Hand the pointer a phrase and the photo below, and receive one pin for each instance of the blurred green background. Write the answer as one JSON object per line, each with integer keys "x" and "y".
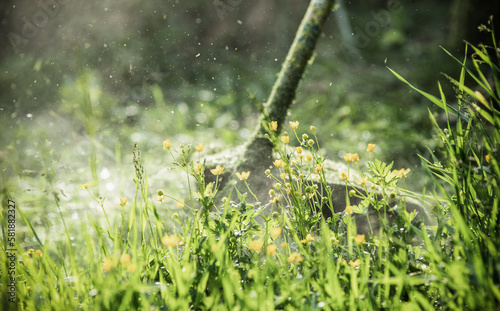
{"x": 81, "y": 81}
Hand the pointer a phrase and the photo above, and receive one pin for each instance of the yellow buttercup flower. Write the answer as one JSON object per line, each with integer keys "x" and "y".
{"x": 170, "y": 240}
{"x": 256, "y": 245}
{"x": 359, "y": 239}
{"x": 348, "y": 209}
{"x": 402, "y": 173}
{"x": 285, "y": 139}
{"x": 199, "y": 147}
{"x": 107, "y": 264}
{"x": 85, "y": 185}
{"x": 125, "y": 259}
{"x": 284, "y": 245}
{"x": 294, "y": 125}
{"x": 271, "y": 249}
{"x": 351, "y": 157}
{"x": 309, "y": 157}
{"x": 132, "y": 268}
{"x": 273, "y": 126}
{"x": 283, "y": 175}
{"x": 179, "y": 203}
{"x": 344, "y": 176}
{"x": 295, "y": 257}
{"x": 308, "y": 239}
{"x": 362, "y": 182}
{"x": 197, "y": 168}
{"x": 312, "y": 128}
{"x": 275, "y": 200}
{"x": 487, "y": 158}
{"x": 279, "y": 163}
{"x": 217, "y": 170}
{"x": 243, "y": 175}
{"x": 275, "y": 232}
{"x": 123, "y": 201}
{"x": 299, "y": 150}
{"x": 355, "y": 263}
{"x": 160, "y": 198}
{"x": 370, "y": 147}
{"x": 167, "y": 144}
{"x": 319, "y": 168}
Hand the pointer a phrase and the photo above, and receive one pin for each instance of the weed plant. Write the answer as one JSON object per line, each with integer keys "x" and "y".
{"x": 217, "y": 253}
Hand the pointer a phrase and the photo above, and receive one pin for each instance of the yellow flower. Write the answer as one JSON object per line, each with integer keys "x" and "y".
{"x": 85, "y": 186}
{"x": 38, "y": 253}
{"x": 107, "y": 264}
{"x": 284, "y": 245}
{"x": 199, "y": 147}
{"x": 351, "y": 157}
{"x": 279, "y": 163}
{"x": 273, "y": 126}
{"x": 276, "y": 199}
{"x": 348, "y": 209}
{"x": 359, "y": 239}
{"x": 344, "y": 176}
{"x": 275, "y": 232}
{"x": 285, "y": 139}
{"x": 197, "y": 168}
{"x": 319, "y": 168}
{"x": 402, "y": 172}
{"x": 362, "y": 182}
{"x": 167, "y": 144}
{"x": 123, "y": 201}
{"x": 160, "y": 198}
{"x": 308, "y": 239}
{"x": 370, "y": 147}
{"x": 256, "y": 245}
{"x": 309, "y": 157}
{"x": 487, "y": 158}
{"x": 179, "y": 203}
{"x": 132, "y": 268}
{"x": 243, "y": 175}
{"x": 299, "y": 150}
{"x": 344, "y": 262}
{"x": 271, "y": 249}
{"x": 312, "y": 128}
{"x": 217, "y": 170}
{"x": 294, "y": 125}
{"x": 170, "y": 240}
{"x": 125, "y": 259}
{"x": 283, "y": 175}
{"x": 295, "y": 257}
{"x": 355, "y": 263}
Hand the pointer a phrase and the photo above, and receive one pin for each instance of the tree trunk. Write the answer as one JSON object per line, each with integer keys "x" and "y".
{"x": 257, "y": 154}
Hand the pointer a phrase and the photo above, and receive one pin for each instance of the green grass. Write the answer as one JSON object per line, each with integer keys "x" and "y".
{"x": 152, "y": 250}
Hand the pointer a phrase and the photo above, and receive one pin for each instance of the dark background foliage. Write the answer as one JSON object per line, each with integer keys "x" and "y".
{"x": 169, "y": 68}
